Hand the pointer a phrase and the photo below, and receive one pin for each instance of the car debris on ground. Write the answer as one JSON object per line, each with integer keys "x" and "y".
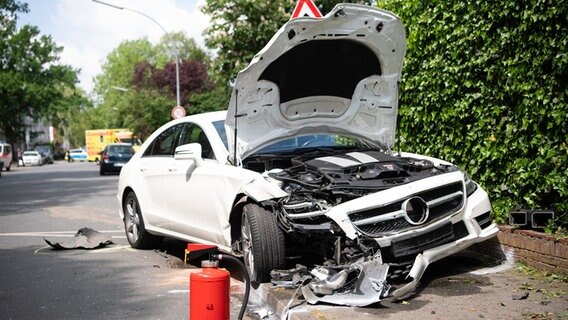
{"x": 85, "y": 238}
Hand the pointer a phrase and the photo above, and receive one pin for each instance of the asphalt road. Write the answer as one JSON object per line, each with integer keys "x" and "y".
{"x": 36, "y": 282}
{"x": 117, "y": 282}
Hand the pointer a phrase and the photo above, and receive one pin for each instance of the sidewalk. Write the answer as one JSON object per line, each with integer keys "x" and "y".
{"x": 462, "y": 287}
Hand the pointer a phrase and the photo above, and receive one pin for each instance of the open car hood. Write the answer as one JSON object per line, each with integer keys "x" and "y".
{"x": 338, "y": 74}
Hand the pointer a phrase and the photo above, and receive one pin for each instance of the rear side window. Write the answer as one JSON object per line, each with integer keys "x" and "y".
{"x": 165, "y": 143}
{"x": 192, "y": 133}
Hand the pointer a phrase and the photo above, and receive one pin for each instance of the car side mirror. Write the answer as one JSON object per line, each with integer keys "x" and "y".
{"x": 190, "y": 151}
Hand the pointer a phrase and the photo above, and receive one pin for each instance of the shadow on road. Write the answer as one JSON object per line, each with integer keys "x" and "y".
{"x": 29, "y": 189}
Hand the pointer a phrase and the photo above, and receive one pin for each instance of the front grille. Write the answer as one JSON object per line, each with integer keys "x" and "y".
{"x": 484, "y": 220}
{"x": 443, "y": 202}
{"x": 418, "y": 243}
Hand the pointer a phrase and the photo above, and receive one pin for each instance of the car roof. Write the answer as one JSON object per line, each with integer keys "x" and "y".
{"x": 205, "y": 117}
{"x": 199, "y": 119}
{"x": 119, "y": 144}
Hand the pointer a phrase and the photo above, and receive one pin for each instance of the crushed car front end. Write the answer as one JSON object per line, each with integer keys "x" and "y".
{"x": 315, "y": 112}
{"x": 362, "y": 212}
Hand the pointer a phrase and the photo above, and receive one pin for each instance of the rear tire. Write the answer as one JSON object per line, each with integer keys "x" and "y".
{"x": 136, "y": 232}
{"x": 263, "y": 243}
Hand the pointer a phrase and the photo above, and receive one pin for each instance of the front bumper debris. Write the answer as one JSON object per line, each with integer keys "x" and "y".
{"x": 368, "y": 287}
{"x": 363, "y": 282}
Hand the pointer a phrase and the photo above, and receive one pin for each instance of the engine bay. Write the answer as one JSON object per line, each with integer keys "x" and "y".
{"x": 342, "y": 176}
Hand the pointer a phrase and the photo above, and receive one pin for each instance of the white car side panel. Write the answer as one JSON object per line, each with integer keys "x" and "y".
{"x": 208, "y": 192}
{"x": 150, "y": 174}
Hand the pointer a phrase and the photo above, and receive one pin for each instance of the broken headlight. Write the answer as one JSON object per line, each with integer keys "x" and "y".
{"x": 470, "y": 185}
{"x": 300, "y": 215}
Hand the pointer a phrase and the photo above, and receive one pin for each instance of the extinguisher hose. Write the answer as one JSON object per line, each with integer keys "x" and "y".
{"x": 245, "y": 276}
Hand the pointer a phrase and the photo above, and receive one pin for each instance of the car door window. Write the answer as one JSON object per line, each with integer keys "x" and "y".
{"x": 165, "y": 143}
{"x": 193, "y": 133}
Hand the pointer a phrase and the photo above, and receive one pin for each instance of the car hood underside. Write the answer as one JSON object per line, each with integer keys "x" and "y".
{"x": 338, "y": 74}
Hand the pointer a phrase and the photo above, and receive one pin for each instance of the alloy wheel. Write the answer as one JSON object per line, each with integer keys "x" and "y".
{"x": 246, "y": 239}
{"x": 132, "y": 220}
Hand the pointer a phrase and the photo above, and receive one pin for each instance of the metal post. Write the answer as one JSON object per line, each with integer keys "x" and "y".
{"x": 172, "y": 43}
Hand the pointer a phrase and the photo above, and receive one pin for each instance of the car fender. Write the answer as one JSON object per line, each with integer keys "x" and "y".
{"x": 259, "y": 189}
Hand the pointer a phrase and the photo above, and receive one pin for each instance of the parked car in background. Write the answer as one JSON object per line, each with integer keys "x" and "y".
{"x": 33, "y": 158}
{"x": 114, "y": 156}
{"x": 6, "y": 155}
{"x": 46, "y": 152}
{"x": 77, "y": 155}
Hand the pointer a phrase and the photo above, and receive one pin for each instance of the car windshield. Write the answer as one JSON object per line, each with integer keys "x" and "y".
{"x": 127, "y": 150}
{"x": 30, "y": 153}
{"x": 329, "y": 141}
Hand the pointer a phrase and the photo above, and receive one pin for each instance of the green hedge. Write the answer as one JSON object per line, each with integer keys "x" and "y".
{"x": 484, "y": 86}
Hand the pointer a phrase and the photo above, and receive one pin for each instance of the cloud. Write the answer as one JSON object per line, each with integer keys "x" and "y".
{"x": 89, "y": 31}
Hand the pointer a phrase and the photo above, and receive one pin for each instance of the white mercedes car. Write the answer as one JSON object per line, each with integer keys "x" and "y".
{"x": 301, "y": 169}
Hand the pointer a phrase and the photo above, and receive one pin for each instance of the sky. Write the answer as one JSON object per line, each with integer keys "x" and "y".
{"x": 89, "y": 31}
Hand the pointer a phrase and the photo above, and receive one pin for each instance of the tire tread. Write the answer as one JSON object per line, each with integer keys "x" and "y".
{"x": 268, "y": 241}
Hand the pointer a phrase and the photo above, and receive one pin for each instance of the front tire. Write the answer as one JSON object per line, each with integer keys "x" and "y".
{"x": 136, "y": 232}
{"x": 263, "y": 243}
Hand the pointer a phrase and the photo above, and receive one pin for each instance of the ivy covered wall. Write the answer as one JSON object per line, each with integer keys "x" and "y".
{"x": 484, "y": 86}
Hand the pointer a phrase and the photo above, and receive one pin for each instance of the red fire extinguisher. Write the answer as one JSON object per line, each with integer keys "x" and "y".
{"x": 209, "y": 292}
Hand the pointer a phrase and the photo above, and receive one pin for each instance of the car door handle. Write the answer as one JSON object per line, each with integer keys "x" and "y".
{"x": 143, "y": 169}
{"x": 172, "y": 169}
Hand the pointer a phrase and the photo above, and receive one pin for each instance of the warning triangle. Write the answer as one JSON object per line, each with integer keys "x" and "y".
{"x": 306, "y": 8}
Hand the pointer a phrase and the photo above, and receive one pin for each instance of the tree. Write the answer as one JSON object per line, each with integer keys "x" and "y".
{"x": 487, "y": 81}
{"x": 137, "y": 86}
{"x": 241, "y": 28}
{"x": 113, "y": 85}
{"x": 193, "y": 78}
{"x": 187, "y": 47}
{"x": 32, "y": 82}
{"x": 70, "y": 117}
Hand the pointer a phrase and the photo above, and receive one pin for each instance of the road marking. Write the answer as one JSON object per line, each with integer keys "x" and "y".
{"x": 179, "y": 291}
{"x": 65, "y": 234}
{"x": 100, "y": 250}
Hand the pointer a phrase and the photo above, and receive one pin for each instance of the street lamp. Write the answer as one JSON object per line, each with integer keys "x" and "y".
{"x": 166, "y": 32}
